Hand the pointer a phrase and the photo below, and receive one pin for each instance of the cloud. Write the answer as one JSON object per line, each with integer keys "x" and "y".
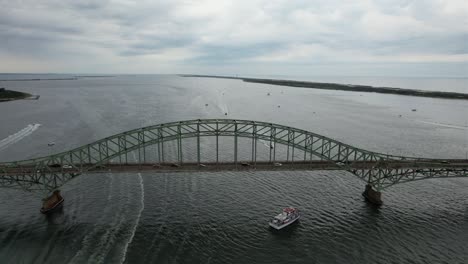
{"x": 106, "y": 35}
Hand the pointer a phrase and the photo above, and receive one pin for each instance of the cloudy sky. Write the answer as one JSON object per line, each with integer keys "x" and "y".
{"x": 303, "y": 37}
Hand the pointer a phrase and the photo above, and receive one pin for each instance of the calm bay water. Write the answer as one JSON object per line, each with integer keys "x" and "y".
{"x": 222, "y": 217}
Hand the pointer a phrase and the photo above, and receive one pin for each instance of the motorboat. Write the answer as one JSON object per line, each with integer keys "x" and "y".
{"x": 287, "y": 217}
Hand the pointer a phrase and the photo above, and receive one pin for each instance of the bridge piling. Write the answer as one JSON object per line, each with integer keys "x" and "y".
{"x": 51, "y": 202}
{"x": 372, "y": 196}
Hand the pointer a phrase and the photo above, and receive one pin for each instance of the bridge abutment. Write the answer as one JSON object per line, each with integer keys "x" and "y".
{"x": 54, "y": 201}
{"x": 372, "y": 196}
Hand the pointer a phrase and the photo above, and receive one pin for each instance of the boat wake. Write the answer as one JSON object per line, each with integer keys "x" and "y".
{"x": 137, "y": 222}
{"x": 267, "y": 144}
{"x": 12, "y": 139}
{"x": 441, "y": 124}
{"x": 90, "y": 237}
{"x": 221, "y": 103}
{"x": 108, "y": 241}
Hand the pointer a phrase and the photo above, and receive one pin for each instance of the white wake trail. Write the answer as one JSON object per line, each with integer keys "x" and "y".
{"x": 221, "y": 103}
{"x": 88, "y": 239}
{"x": 12, "y": 139}
{"x": 267, "y": 144}
{"x": 440, "y": 124}
{"x": 137, "y": 222}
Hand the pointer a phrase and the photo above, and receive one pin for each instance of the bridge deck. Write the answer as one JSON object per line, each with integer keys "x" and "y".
{"x": 248, "y": 166}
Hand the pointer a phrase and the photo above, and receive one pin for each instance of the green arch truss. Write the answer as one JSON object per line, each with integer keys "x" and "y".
{"x": 377, "y": 169}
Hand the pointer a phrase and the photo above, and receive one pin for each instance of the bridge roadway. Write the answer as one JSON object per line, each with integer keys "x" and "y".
{"x": 456, "y": 164}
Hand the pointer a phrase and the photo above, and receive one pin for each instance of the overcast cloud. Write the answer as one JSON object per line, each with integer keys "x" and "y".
{"x": 381, "y": 37}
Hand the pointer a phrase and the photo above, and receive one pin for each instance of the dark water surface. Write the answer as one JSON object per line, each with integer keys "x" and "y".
{"x": 222, "y": 217}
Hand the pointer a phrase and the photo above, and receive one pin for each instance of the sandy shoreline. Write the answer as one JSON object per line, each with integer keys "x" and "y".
{"x": 345, "y": 87}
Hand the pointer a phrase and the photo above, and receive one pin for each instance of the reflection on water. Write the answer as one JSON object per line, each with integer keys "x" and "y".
{"x": 56, "y": 217}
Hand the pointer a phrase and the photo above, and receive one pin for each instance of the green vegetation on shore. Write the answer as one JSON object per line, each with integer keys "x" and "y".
{"x": 8, "y": 95}
{"x": 347, "y": 87}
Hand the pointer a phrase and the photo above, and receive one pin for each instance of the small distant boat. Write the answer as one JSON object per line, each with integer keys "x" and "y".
{"x": 287, "y": 217}
{"x": 51, "y": 144}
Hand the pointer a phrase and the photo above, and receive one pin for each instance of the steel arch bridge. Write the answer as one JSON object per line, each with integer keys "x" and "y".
{"x": 315, "y": 151}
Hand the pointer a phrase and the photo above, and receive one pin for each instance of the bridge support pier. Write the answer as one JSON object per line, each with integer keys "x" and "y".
{"x": 372, "y": 196}
{"x": 51, "y": 203}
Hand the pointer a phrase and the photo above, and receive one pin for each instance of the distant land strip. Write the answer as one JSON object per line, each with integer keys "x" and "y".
{"x": 9, "y": 95}
{"x": 40, "y": 79}
{"x": 344, "y": 87}
{"x": 94, "y": 76}
{"x": 57, "y": 79}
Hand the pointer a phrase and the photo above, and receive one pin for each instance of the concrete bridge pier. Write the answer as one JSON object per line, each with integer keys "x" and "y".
{"x": 372, "y": 196}
{"x": 52, "y": 202}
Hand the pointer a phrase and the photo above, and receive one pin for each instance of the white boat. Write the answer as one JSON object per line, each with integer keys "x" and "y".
{"x": 287, "y": 217}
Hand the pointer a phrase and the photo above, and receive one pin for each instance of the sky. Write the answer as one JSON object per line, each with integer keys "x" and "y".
{"x": 252, "y": 37}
